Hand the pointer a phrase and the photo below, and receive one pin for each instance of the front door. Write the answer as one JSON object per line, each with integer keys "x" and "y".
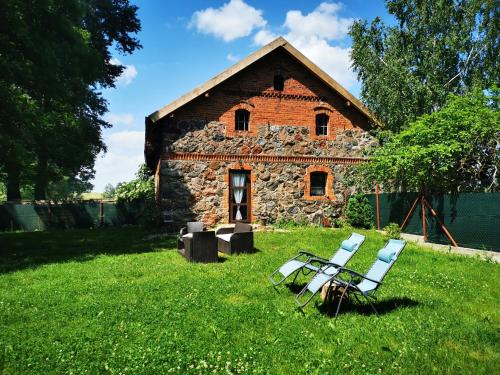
{"x": 239, "y": 196}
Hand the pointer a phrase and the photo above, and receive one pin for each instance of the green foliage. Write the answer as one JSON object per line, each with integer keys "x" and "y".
{"x": 392, "y": 230}
{"x": 141, "y": 188}
{"x": 56, "y": 56}
{"x": 141, "y": 193}
{"x": 109, "y": 192}
{"x": 3, "y": 193}
{"x": 454, "y": 149}
{"x": 341, "y": 222}
{"x": 433, "y": 48}
{"x": 288, "y": 223}
{"x": 359, "y": 212}
{"x": 120, "y": 295}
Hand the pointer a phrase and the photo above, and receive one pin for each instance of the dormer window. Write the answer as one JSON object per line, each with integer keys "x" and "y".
{"x": 279, "y": 82}
{"x": 322, "y": 124}
{"x": 242, "y": 120}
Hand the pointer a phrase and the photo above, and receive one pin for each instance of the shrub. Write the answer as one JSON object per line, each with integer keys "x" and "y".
{"x": 139, "y": 194}
{"x": 359, "y": 212}
{"x": 341, "y": 222}
{"x": 393, "y": 231}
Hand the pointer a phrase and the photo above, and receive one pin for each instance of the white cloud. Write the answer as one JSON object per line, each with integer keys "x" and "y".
{"x": 118, "y": 119}
{"x": 323, "y": 23}
{"x": 121, "y": 162}
{"x": 263, "y": 37}
{"x": 128, "y": 74}
{"x": 232, "y": 20}
{"x": 232, "y": 58}
{"x": 313, "y": 34}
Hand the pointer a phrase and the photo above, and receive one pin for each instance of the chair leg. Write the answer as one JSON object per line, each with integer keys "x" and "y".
{"x": 340, "y": 301}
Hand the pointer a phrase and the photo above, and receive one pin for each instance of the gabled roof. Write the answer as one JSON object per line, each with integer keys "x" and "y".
{"x": 239, "y": 66}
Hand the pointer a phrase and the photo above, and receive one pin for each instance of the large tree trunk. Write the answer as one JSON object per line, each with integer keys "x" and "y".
{"x": 41, "y": 178}
{"x": 13, "y": 185}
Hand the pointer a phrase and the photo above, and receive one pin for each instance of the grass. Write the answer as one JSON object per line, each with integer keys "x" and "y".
{"x": 121, "y": 301}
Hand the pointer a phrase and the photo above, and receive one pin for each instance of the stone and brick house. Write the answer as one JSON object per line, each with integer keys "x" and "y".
{"x": 270, "y": 137}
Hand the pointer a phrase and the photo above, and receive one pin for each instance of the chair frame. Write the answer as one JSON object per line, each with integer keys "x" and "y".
{"x": 308, "y": 264}
{"x": 240, "y": 242}
{"x": 350, "y": 288}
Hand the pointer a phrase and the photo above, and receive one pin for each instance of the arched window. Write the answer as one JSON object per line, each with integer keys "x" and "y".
{"x": 279, "y": 82}
{"x": 322, "y": 124}
{"x": 318, "y": 184}
{"x": 241, "y": 120}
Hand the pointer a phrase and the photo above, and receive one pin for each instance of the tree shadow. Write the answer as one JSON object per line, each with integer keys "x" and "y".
{"x": 385, "y": 306}
{"x": 33, "y": 249}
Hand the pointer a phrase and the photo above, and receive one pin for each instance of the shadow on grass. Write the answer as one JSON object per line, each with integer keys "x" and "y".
{"x": 383, "y": 307}
{"x": 32, "y": 249}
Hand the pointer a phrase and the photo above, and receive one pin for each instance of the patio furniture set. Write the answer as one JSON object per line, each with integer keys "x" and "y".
{"x": 197, "y": 244}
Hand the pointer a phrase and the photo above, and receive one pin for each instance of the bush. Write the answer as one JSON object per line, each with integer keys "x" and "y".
{"x": 140, "y": 193}
{"x": 341, "y": 222}
{"x": 359, "y": 212}
{"x": 393, "y": 231}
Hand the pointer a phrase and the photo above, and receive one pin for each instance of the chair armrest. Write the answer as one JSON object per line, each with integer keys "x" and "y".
{"x": 224, "y": 230}
{"x": 357, "y": 274}
{"x": 325, "y": 262}
{"x": 311, "y": 255}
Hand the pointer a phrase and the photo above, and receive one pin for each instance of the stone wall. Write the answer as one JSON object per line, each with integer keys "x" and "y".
{"x": 198, "y": 190}
{"x": 195, "y": 137}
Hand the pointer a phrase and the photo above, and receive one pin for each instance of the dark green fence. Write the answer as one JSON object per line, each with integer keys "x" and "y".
{"x": 473, "y": 219}
{"x": 43, "y": 216}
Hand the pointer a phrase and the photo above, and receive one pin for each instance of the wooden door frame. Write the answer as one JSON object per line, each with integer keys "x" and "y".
{"x": 248, "y": 188}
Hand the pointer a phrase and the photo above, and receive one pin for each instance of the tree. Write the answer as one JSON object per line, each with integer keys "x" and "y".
{"x": 435, "y": 48}
{"x": 454, "y": 149}
{"x": 109, "y": 191}
{"x": 56, "y": 55}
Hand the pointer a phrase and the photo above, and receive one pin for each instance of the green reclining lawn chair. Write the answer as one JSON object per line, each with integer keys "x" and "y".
{"x": 307, "y": 262}
{"x": 366, "y": 285}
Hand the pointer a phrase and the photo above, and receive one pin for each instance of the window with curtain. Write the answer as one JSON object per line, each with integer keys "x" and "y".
{"x": 322, "y": 124}
{"x": 318, "y": 184}
{"x": 242, "y": 120}
{"x": 239, "y": 196}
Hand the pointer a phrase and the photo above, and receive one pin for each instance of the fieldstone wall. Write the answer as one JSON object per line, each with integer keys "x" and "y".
{"x": 197, "y": 190}
{"x": 196, "y": 137}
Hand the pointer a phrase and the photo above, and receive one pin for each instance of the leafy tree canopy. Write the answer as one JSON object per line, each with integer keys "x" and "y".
{"x": 454, "y": 149}
{"x": 436, "y": 47}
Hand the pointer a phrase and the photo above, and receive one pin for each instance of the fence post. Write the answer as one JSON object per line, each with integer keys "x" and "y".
{"x": 378, "y": 207}
{"x": 424, "y": 224}
{"x": 101, "y": 213}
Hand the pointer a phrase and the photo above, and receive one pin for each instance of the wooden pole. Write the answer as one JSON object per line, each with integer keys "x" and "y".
{"x": 101, "y": 214}
{"x": 443, "y": 227}
{"x": 408, "y": 215}
{"x": 424, "y": 224}
{"x": 378, "y": 207}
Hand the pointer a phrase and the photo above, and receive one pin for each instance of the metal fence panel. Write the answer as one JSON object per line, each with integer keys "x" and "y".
{"x": 43, "y": 216}
{"x": 473, "y": 219}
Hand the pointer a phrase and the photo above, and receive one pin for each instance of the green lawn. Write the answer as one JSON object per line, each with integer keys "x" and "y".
{"x": 112, "y": 301}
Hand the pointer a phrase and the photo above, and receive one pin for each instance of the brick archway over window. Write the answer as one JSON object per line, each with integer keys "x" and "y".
{"x": 230, "y": 117}
{"x": 329, "y": 195}
{"x": 323, "y": 109}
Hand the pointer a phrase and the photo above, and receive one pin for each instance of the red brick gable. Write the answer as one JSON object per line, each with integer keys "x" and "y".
{"x": 303, "y": 97}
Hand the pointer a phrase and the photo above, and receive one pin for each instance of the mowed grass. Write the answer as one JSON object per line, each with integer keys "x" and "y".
{"x": 119, "y": 301}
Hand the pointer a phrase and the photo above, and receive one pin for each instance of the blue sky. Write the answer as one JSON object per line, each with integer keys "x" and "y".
{"x": 186, "y": 43}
